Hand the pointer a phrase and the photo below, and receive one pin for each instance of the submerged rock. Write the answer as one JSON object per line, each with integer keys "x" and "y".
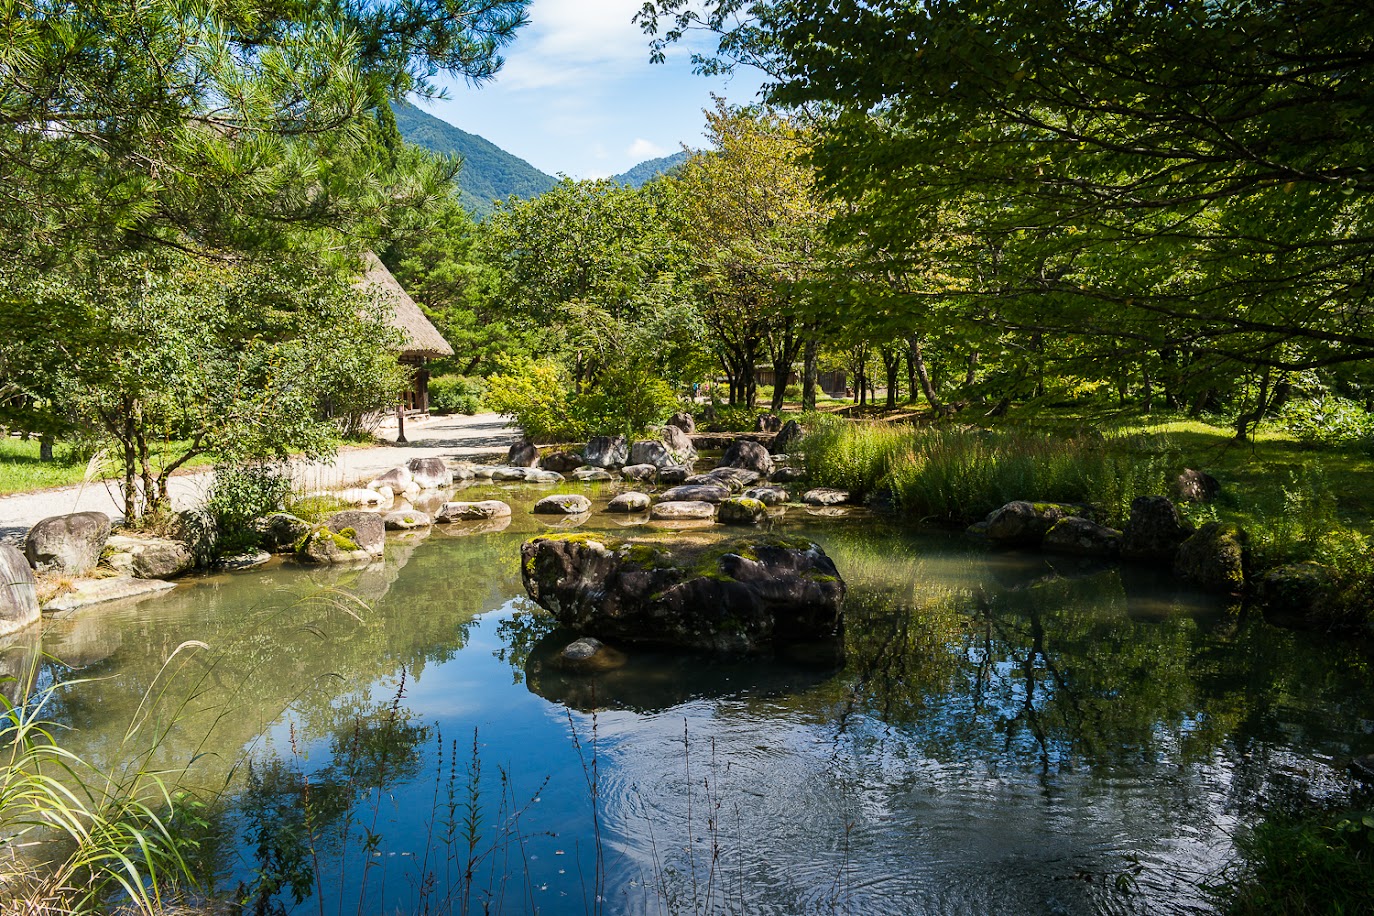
{"x": 68, "y": 544}
{"x": 587, "y": 655}
{"x": 738, "y": 596}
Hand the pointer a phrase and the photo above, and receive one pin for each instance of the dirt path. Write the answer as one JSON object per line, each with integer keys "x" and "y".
{"x": 483, "y": 438}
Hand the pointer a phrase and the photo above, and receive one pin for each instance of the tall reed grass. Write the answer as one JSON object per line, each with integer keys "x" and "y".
{"x": 959, "y": 475}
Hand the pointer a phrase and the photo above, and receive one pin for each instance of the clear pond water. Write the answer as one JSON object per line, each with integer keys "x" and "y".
{"x": 1000, "y": 733}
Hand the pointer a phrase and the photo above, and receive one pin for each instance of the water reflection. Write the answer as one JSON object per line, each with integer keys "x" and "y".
{"x": 1004, "y": 733}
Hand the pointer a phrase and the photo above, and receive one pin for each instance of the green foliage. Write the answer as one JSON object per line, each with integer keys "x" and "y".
{"x": 121, "y": 831}
{"x": 958, "y": 476}
{"x": 626, "y": 399}
{"x": 456, "y": 393}
{"x": 1301, "y": 865}
{"x": 316, "y": 509}
{"x": 649, "y": 169}
{"x": 1328, "y": 420}
{"x": 534, "y": 394}
{"x": 242, "y": 493}
{"x": 731, "y": 418}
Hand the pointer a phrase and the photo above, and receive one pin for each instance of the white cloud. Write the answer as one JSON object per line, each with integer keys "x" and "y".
{"x": 575, "y": 44}
{"x": 645, "y": 149}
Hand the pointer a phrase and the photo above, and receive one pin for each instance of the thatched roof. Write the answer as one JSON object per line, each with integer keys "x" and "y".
{"x": 422, "y": 338}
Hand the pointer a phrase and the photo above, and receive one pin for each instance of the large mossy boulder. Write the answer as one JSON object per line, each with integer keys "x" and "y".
{"x": 368, "y": 529}
{"x": 67, "y": 544}
{"x": 740, "y": 510}
{"x": 280, "y": 532}
{"x": 1024, "y": 524}
{"x": 737, "y": 596}
{"x": 1213, "y": 559}
{"x": 18, "y": 592}
{"x": 1154, "y": 531}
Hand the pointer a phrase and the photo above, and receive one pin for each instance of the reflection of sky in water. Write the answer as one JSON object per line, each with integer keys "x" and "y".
{"x": 1007, "y": 736}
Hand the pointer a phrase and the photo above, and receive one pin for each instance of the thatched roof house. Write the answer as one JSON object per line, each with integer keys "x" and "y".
{"x": 422, "y": 338}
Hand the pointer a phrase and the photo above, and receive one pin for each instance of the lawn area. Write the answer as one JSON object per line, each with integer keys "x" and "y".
{"x": 22, "y": 472}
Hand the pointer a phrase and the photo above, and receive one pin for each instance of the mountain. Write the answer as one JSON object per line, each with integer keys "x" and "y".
{"x": 650, "y": 169}
{"x": 489, "y": 172}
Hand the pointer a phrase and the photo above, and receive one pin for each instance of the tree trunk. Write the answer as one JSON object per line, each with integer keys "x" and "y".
{"x": 1251, "y": 418}
{"x": 892, "y": 364}
{"x": 971, "y": 374}
{"x": 45, "y": 447}
{"x": 809, "y": 373}
{"x": 917, "y": 361}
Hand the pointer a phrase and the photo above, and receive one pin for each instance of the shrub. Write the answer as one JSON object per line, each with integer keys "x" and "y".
{"x": 456, "y": 393}
{"x": 534, "y": 394}
{"x": 734, "y": 418}
{"x": 1328, "y": 420}
{"x": 626, "y": 399}
{"x": 316, "y": 509}
{"x": 242, "y": 493}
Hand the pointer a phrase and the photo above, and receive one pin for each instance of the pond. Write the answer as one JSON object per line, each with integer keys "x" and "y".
{"x": 1002, "y": 734}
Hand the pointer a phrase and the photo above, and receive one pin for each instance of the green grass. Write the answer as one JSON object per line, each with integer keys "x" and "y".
{"x": 21, "y": 471}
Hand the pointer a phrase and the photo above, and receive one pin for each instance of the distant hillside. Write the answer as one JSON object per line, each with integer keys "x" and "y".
{"x": 489, "y": 172}
{"x": 650, "y": 169}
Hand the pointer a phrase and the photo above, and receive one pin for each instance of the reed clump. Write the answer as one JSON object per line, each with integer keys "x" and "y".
{"x": 958, "y": 475}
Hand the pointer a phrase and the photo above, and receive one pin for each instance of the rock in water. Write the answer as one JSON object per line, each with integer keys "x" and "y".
{"x": 366, "y": 529}
{"x": 683, "y": 510}
{"x": 149, "y": 557}
{"x": 1022, "y": 523}
{"x": 560, "y": 461}
{"x": 68, "y": 544}
{"x": 748, "y": 455}
{"x": 430, "y": 473}
{"x": 631, "y": 501}
{"x": 607, "y": 452}
{"x": 1154, "y": 530}
{"x": 18, "y": 592}
{"x": 563, "y": 504}
{"x": 1214, "y": 558}
{"x": 740, "y": 510}
{"x": 679, "y": 443}
{"x": 472, "y": 512}
{"x": 1081, "y": 537}
{"x": 523, "y": 454}
{"x": 735, "y": 596}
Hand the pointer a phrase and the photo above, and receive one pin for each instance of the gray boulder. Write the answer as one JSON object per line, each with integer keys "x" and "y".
{"x": 629, "y": 502}
{"x": 560, "y": 461}
{"x": 740, "y": 510}
{"x": 398, "y": 478}
{"x": 650, "y": 451}
{"x": 736, "y": 478}
{"x": 683, "y": 421}
{"x": 542, "y": 475}
{"x": 825, "y": 496}
{"x": 708, "y": 493}
{"x": 682, "y": 509}
{"x": 149, "y": 557}
{"x": 324, "y": 547}
{"x": 1196, "y": 487}
{"x": 674, "y": 475}
{"x": 471, "y": 512}
{"x": 1022, "y": 523}
{"x": 744, "y": 453}
{"x": 787, "y": 438}
{"x": 679, "y": 444}
{"x": 1213, "y": 559}
{"x": 523, "y": 454}
{"x": 369, "y": 531}
{"x": 607, "y": 452}
{"x": 563, "y": 504}
{"x": 508, "y": 473}
{"x": 639, "y": 472}
{"x": 1081, "y": 537}
{"x": 590, "y": 474}
{"x": 769, "y": 496}
{"x": 406, "y": 520}
{"x": 1154, "y": 531}
{"x": 734, "y": 597}
{"x": 430, "y": 473}
{"x": 69, "y": 544}
{"x": 18, "y": 592}
{"x": 707, "y": 480}
{"x": 249, "y": 559}
{"x": 787, "y": 475}
{"x": 767, "y": 423}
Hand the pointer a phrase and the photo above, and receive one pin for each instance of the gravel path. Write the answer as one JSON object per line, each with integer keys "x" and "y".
{"x": 482, "y": 438}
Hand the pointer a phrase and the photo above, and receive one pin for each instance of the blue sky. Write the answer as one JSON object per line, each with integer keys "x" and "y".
{"x": 578, "y": 94}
